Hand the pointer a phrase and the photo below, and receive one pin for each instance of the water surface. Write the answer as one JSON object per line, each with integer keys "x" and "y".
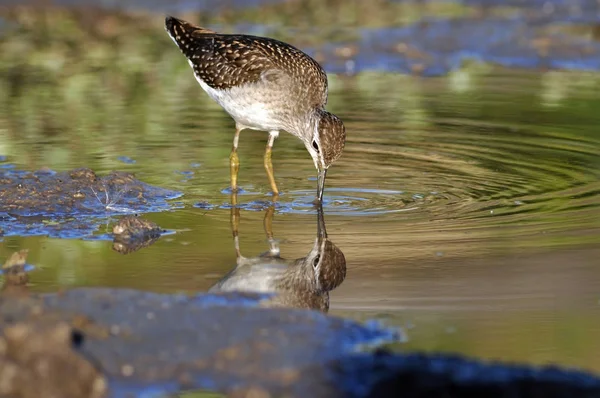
{"x": 467, "y": 205}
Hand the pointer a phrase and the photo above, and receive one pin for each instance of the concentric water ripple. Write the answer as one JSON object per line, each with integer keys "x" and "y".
{"x": 528, "y": 179}
{"x": 457, "y": 171}
{"x": 460, "y": 172}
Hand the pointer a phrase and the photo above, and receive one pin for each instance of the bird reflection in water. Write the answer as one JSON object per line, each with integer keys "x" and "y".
{"x": 302, "y": 283}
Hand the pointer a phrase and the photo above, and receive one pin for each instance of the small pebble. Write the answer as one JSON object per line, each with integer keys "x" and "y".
{"x": 127, "y": 370}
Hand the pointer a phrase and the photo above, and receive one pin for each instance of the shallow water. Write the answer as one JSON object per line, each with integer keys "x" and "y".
{"x": 467, "y": 206}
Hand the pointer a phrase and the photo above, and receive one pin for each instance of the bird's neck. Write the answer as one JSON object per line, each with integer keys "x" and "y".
{"x": 304, "y": 125}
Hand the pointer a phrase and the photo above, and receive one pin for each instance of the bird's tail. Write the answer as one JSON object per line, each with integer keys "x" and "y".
{"x": 183, "y": 32}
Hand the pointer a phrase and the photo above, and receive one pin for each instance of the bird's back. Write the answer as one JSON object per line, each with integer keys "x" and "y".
{"x": 224, "y": 61}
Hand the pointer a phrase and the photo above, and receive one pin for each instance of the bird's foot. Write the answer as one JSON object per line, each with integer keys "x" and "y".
{"x": 232, "y": 190}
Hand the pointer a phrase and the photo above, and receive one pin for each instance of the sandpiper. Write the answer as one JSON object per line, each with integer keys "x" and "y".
{"x": 264, "y": 84}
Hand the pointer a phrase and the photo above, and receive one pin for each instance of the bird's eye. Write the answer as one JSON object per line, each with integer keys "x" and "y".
{"x": 316, "y": 261}
{"x": 315, "y": 145}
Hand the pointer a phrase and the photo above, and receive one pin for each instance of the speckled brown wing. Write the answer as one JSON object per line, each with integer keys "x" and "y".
{"x": 225, "y": 61}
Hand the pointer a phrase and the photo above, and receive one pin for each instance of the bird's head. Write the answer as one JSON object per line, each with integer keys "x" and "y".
{"x": 325, "y": 144}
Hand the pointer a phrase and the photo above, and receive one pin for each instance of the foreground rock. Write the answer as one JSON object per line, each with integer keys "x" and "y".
{"x": 39, "y": 360}
{"x": 148, "y": 343}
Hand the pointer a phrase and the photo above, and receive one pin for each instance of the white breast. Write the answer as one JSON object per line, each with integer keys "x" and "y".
{"x": 244, "y": 109}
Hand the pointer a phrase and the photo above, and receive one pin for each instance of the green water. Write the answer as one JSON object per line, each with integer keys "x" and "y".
{"x": 467, "y": 206}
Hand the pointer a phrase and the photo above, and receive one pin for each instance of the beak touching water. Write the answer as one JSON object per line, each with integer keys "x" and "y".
{"x": 322, "y": 172}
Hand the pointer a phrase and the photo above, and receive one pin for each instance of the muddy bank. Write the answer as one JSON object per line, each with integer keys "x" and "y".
{"x": 77, "y": 192}
{"x": 72, "y": 204}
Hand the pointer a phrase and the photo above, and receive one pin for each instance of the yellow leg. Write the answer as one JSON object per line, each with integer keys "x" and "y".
{"x": 269, "y": 165}
{"x": 234, "y": 161}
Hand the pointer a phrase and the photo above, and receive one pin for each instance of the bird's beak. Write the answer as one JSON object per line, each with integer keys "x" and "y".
{"x": 322, "y": 172}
